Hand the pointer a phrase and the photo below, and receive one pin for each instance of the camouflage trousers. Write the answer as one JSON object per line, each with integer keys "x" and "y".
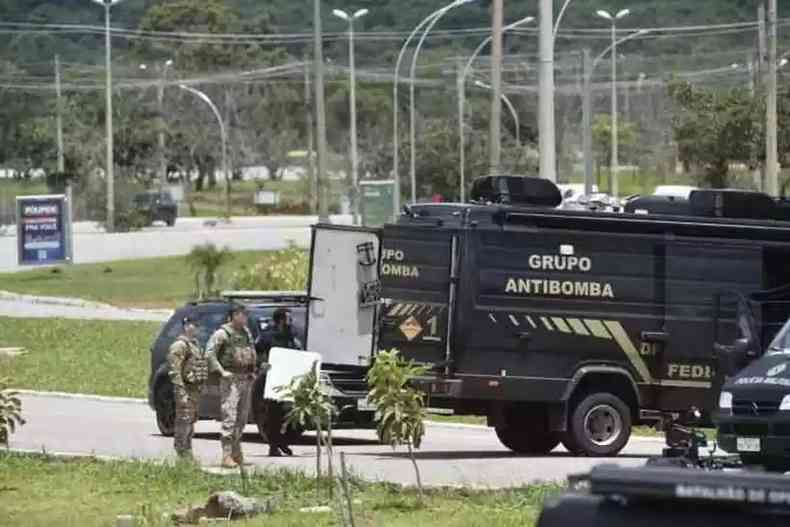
{"x": 235, "y": 406}
{"x": 187, "y": 400}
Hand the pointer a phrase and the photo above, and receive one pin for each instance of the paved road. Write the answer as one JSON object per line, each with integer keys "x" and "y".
{"x": 10, "y": 307}
{"x": 449, "y": 456}
{"x": 255, "y": 233}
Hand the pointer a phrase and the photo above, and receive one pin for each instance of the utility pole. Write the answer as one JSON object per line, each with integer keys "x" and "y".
{"x": 461, "y": 87}
{"x": 587, "y": 123}
{"x": 546, "y": 131}
{"x": 110, "y": 175}
{"x": 320, "y": 110}
{"x": 495, "y": 129}
{"x": 59, "y": 134}
{"x": 59, "y": 117}
{"x": 160, "y": 107}
{"x": 771, "y": 146}
{"x": 311, "y": 172}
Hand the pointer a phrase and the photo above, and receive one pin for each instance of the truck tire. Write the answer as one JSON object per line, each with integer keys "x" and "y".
{"x": 165, "y": 406}
{"x": 570, "y": 444}
{"x": 522, "y": 440}
{"x": 600, "y": 425}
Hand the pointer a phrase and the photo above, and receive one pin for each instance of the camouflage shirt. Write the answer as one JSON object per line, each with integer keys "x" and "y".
{"x": 226, "y": 346}
{"x": 185, "y": 357}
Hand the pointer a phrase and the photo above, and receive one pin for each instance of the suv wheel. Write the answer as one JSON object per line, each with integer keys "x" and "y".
{"x": 165, "y": 409}
{"x": 171, "y": 221}
{"x": 600, "y": 425}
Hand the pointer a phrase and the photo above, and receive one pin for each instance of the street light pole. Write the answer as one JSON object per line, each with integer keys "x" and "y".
{"x": 320, "y": 111}
{"x": 510, "y": 107}
{"x": 110, "y": 174}
{"x": 434, "y": 18}
{"x": 771, "y": 141}
{"x": 546, "y": 133}
{"x": 353, "y": 103}
{"x": 614, "y": 161}
{"x": 462, "y": 75}
{"x": 205, "y": 98}
{"x": 160, "y": 124}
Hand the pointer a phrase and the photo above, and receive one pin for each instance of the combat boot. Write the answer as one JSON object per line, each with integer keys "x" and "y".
{"x": 229, "y": 462}
{"x": 238, "y": 458}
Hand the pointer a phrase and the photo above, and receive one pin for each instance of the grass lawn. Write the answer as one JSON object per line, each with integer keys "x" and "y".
{"x": 151, "y": 282}
{"x": 79, "y": 356}
{"x": 39, "y": 491}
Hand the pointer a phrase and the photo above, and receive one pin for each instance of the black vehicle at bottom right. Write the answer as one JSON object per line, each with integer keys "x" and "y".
{"x": 753, "y": 419}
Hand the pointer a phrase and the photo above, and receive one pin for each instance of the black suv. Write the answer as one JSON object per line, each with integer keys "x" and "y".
{"x": 156, "y": 206}
{"x": 212, "y": 314}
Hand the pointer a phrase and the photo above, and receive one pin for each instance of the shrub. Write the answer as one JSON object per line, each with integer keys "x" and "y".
{"x": 205, "y": 261}
{"x": 284, "y": 270}
{"x": 10, "y": 412}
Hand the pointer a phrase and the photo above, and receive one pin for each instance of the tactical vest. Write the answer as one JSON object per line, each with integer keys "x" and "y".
{"x": 195, "y": 367}
{"x": 237, "y": 355}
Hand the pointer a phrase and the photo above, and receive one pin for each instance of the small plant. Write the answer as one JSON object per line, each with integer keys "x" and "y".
{"x": 205, "y": 261}
{"x": 10, "y": 412}
{"x": 400, "y": 413}
{"x": 311, "y": 406}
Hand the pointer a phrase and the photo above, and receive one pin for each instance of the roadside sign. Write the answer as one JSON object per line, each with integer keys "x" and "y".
{"x": 267, "y": 197}
{"x": 376, "y": 204}
{"x": 43, "y": 230}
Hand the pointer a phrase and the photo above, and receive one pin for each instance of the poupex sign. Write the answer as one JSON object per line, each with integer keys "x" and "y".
{"x": 43, "y": 230}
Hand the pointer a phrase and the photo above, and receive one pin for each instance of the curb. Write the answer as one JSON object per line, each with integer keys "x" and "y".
{"x": 463, "y": 426}
{"x": 66, "y": 455}
{"x": 54, "y": 300}
{"x": 82, "y": 397}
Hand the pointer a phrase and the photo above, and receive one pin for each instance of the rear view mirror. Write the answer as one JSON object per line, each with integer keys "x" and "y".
{"x": 732, "y": 359}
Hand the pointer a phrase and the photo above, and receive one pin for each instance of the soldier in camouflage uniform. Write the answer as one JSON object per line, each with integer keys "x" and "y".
{"x": 231, "y": 354}
{"x": 188, "y": 373}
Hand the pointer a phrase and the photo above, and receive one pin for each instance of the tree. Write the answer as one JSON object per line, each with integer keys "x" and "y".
{"x": 311, "y": 406}
{"x": 205, "y": 261}
{"x": 400, "y": 414}
{"x": 714, "y": 127}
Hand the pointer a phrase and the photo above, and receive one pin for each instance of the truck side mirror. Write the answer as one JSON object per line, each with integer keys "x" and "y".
{"x": 732, "y": 359}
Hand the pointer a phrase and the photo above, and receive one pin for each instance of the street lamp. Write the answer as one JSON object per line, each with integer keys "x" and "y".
{"x": 160, "y": 100}
{"x": 205, "y": 98}
{"x": 108, "y": 113}
{"x": 353, "y": 102}
{"x": 396, "y": 82}
{"x": 412, "y": 110}
{"x": 510, "y": 106}
{"x": 613, "y": 19}
{"x": 462, "y": 100}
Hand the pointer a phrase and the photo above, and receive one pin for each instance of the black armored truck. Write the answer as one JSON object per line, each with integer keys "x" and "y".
{"x": 561, "y": 326}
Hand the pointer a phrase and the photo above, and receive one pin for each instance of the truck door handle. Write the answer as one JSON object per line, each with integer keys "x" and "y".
{"x": 655, "y": 336}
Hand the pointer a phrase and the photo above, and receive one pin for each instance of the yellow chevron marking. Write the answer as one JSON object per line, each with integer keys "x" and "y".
{"x": 561, "y": 325}
{"x": 624, "y": 341}
{"x": 578, "y": 327}
{"x": 532, "y": 322}
{"x": 547, "y": 323}
{"x": 514, "y": 320}
{"x": 394, "y": 311}
{"x": 597, "y": 329}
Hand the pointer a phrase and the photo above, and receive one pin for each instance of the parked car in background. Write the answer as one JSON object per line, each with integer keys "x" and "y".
{"x": 155, "y": 205}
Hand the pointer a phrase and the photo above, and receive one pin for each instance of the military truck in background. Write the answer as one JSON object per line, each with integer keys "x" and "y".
{"x": 560, "y": 326}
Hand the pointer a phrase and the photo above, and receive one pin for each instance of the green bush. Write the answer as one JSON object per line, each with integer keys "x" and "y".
{"x": 284, "y": 270}
{"x": 10, "y": 412}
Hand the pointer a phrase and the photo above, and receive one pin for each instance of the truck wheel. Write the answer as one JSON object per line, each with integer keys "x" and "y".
{"x": 570, "y": 444}
{"x": 600, "y": 425}
{"x": 523, "y": 441}
{"x": 165, "y": 409}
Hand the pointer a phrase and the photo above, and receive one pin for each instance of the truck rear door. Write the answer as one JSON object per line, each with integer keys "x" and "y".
{"x": 345, "y": 290}
{"x": 416, "y": 265}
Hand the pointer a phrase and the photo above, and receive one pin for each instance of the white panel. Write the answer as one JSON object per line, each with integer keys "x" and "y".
{"x": 287, "y": 364}
{"x": 340, "y": 328}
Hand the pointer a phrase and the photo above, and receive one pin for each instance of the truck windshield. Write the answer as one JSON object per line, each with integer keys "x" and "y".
{"x": 781, "y": 343}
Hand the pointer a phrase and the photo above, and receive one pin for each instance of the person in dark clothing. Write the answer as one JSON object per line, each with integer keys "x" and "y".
{"x": 282, "y": 337}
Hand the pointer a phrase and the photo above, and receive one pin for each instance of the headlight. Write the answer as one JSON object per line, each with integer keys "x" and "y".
{"x": 725, "y": 401}
{"x": 785, "y": 403}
